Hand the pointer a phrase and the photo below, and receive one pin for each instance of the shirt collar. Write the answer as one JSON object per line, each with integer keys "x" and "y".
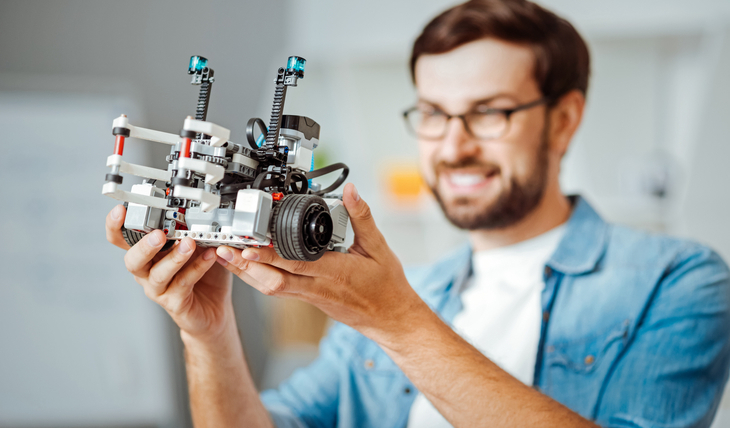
{"x": 584, "y": 242}
{"x": 579, "y": 251}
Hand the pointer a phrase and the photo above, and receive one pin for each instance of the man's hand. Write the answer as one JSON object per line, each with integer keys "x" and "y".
{"x": 185, "y": 280}
{"x": 365, "y": 289}
{"x": 197, "y": 294}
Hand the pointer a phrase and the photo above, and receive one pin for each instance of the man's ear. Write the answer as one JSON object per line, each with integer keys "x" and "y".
{"x": 565, "y": 117}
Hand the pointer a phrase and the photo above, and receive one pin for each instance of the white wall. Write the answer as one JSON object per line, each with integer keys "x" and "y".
{"x": 81, "y": 344}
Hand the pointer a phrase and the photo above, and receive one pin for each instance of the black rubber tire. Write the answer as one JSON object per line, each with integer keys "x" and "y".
{"x": 301, "y": 227}
{"x": 132, "y": 237}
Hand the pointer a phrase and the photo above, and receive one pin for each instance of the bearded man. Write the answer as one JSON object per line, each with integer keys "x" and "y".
{"x": 549, "y": 317}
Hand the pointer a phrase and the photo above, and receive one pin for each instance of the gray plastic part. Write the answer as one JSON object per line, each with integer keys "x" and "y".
{"x": 339, "y": 220}
{"x": 214, "y": 220}
{"x": 142, "y": 217}
{"x": 252, "y": 214}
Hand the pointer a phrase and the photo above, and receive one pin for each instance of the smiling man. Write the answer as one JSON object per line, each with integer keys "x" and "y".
{"x": 549, "y": 317}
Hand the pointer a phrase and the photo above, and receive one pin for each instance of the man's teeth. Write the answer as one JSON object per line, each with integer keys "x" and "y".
{"x": 466, "y": 179}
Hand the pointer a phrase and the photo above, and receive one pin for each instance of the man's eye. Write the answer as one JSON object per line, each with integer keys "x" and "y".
{"x": 431, "y": 113}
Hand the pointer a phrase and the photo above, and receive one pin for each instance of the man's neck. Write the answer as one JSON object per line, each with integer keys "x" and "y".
{"x": 553, "y": 210}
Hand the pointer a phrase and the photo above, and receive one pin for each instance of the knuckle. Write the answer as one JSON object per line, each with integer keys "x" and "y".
{"x": 366, "y": 214}
{"x": 340, "y": 279}
{"x": 173, "y": 305}
{"x": 179, "y": 258}
{"x": 299, "y": 266}
{"x": 278, "y": 285}
{"x": 128, "y": 262}
{"x": 149, "y": 293}
{"x": 157, "y": 278}
{"x": 241, "y": 264}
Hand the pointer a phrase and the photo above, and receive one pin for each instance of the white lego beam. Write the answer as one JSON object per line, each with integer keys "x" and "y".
{"x": 218, "y": 134}
{"x": 213, "y": 173}
{"x": 208, "y": 201}
{"x": 111, "y": 190}
{"x": 138, "y": 170}
{"x": 144, "y": 133}
{"x": 245, "y": 160}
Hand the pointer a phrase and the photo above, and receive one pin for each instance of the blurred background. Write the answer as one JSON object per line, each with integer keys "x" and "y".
{"x": 80, "y": 344}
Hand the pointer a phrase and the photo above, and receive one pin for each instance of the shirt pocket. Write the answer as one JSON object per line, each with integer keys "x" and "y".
{"x": 575, "y": 369}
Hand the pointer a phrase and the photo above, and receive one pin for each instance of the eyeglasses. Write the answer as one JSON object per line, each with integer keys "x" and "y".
{"x": 430, "y": 123}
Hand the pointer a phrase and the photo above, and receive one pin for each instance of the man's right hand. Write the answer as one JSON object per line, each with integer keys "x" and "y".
{"x": 186, "y": 281}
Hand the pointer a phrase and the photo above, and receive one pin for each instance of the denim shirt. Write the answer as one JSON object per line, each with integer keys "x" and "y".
{"x": 635, "y": 333}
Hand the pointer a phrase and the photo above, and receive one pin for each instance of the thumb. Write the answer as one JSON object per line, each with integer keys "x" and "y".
{"x": 367, "y": 235}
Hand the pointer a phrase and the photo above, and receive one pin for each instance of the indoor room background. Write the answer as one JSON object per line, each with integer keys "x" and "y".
{"x": 81, "y": 345}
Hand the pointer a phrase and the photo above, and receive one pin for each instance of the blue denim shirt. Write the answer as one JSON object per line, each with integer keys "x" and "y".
{"x": 635, "y": 333}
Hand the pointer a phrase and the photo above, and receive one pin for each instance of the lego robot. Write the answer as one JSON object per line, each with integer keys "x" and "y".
{"x": 221, "y": 193}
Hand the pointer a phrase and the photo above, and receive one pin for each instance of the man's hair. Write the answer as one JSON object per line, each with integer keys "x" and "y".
{"x": 562, "y": 61}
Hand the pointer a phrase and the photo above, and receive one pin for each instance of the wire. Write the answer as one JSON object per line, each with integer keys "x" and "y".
{"x": 326, "y": 170}
{"x": 252, "y": 141}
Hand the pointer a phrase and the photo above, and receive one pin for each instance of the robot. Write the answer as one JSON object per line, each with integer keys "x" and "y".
{"x": 218, "y": 192}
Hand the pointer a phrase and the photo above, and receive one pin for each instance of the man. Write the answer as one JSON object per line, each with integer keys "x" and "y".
{"x": 567, "y": 320}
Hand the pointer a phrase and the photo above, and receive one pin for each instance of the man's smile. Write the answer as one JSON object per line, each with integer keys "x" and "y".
{"x": 459, "y": 182}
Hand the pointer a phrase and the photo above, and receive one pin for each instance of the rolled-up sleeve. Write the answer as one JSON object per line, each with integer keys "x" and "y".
{"x": 309, "y": 398}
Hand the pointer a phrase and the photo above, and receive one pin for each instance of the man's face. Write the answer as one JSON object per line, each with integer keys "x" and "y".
{"x": 484, "y": 184}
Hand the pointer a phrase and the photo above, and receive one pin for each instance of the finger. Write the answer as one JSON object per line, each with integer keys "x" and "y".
{"x": 266, "y": 278}
{"x": 179, "y": 291}
{"x": 162, "y": 272}
{"x": 319, "y": 268}
{"x": 367, "y": 234}
{"x": 139, "y": 258}
{"x": 114, "y": 223}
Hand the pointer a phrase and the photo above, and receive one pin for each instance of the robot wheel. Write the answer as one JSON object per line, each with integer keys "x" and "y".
{"x": 301, "y": 227}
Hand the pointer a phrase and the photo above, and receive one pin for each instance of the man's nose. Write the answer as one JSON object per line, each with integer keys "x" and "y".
{"x": 458, "y": 143}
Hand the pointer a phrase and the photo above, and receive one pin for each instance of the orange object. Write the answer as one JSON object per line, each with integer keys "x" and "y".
{"x": 403, "y": 181}
{"x": 277, "y": 196}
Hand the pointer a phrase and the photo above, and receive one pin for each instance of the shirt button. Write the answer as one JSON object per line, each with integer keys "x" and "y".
{"x": 551, "y": 349}
{"x": 407, "y": 390}
{"x": 548, "y": 271}
{"x": 369, "y": 364}
{"x": 545, "y": 316}
{"x": 589, "y": 360}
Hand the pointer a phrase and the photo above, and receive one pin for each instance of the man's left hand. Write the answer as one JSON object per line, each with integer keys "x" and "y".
{"x": 365, "y": 289}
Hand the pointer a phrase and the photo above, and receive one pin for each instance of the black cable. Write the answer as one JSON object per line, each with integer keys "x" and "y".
{"x": 250, "y": 131}
{"x": 297, "y": 177}
{"x": 326, "y": 170}
{"x": 259, "y": 180}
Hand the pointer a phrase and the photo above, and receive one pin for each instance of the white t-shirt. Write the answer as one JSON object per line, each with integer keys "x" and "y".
{"x": 502, "y": 313}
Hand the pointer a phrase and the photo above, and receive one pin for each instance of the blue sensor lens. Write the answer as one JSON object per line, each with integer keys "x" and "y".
{"x": 295, "y": 63}
{"x": 197, "y": 64}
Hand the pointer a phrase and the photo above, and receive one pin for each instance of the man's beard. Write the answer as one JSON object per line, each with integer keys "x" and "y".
{"x": 512, "y": 205}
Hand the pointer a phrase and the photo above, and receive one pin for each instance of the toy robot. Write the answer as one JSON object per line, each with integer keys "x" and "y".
{"x": 221, "y": 193}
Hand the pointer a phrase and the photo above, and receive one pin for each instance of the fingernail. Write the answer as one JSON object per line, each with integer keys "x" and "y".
{"x": 355, "y": 194}
{"x": 155, "y": 240}
{"x": 209, "y": 254}
{"x": 250, "y": 255}
{"x": 184, "y": 247}
{"x": 117, "y": 212}
{"x": 226, "y": 254}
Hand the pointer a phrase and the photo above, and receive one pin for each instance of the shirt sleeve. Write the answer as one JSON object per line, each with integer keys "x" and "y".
{"x": 310, "y": 397}
{"x": 674, "y": 372}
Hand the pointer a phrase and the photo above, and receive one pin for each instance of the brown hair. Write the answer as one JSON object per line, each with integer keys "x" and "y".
{"x": 562, "y": 61}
